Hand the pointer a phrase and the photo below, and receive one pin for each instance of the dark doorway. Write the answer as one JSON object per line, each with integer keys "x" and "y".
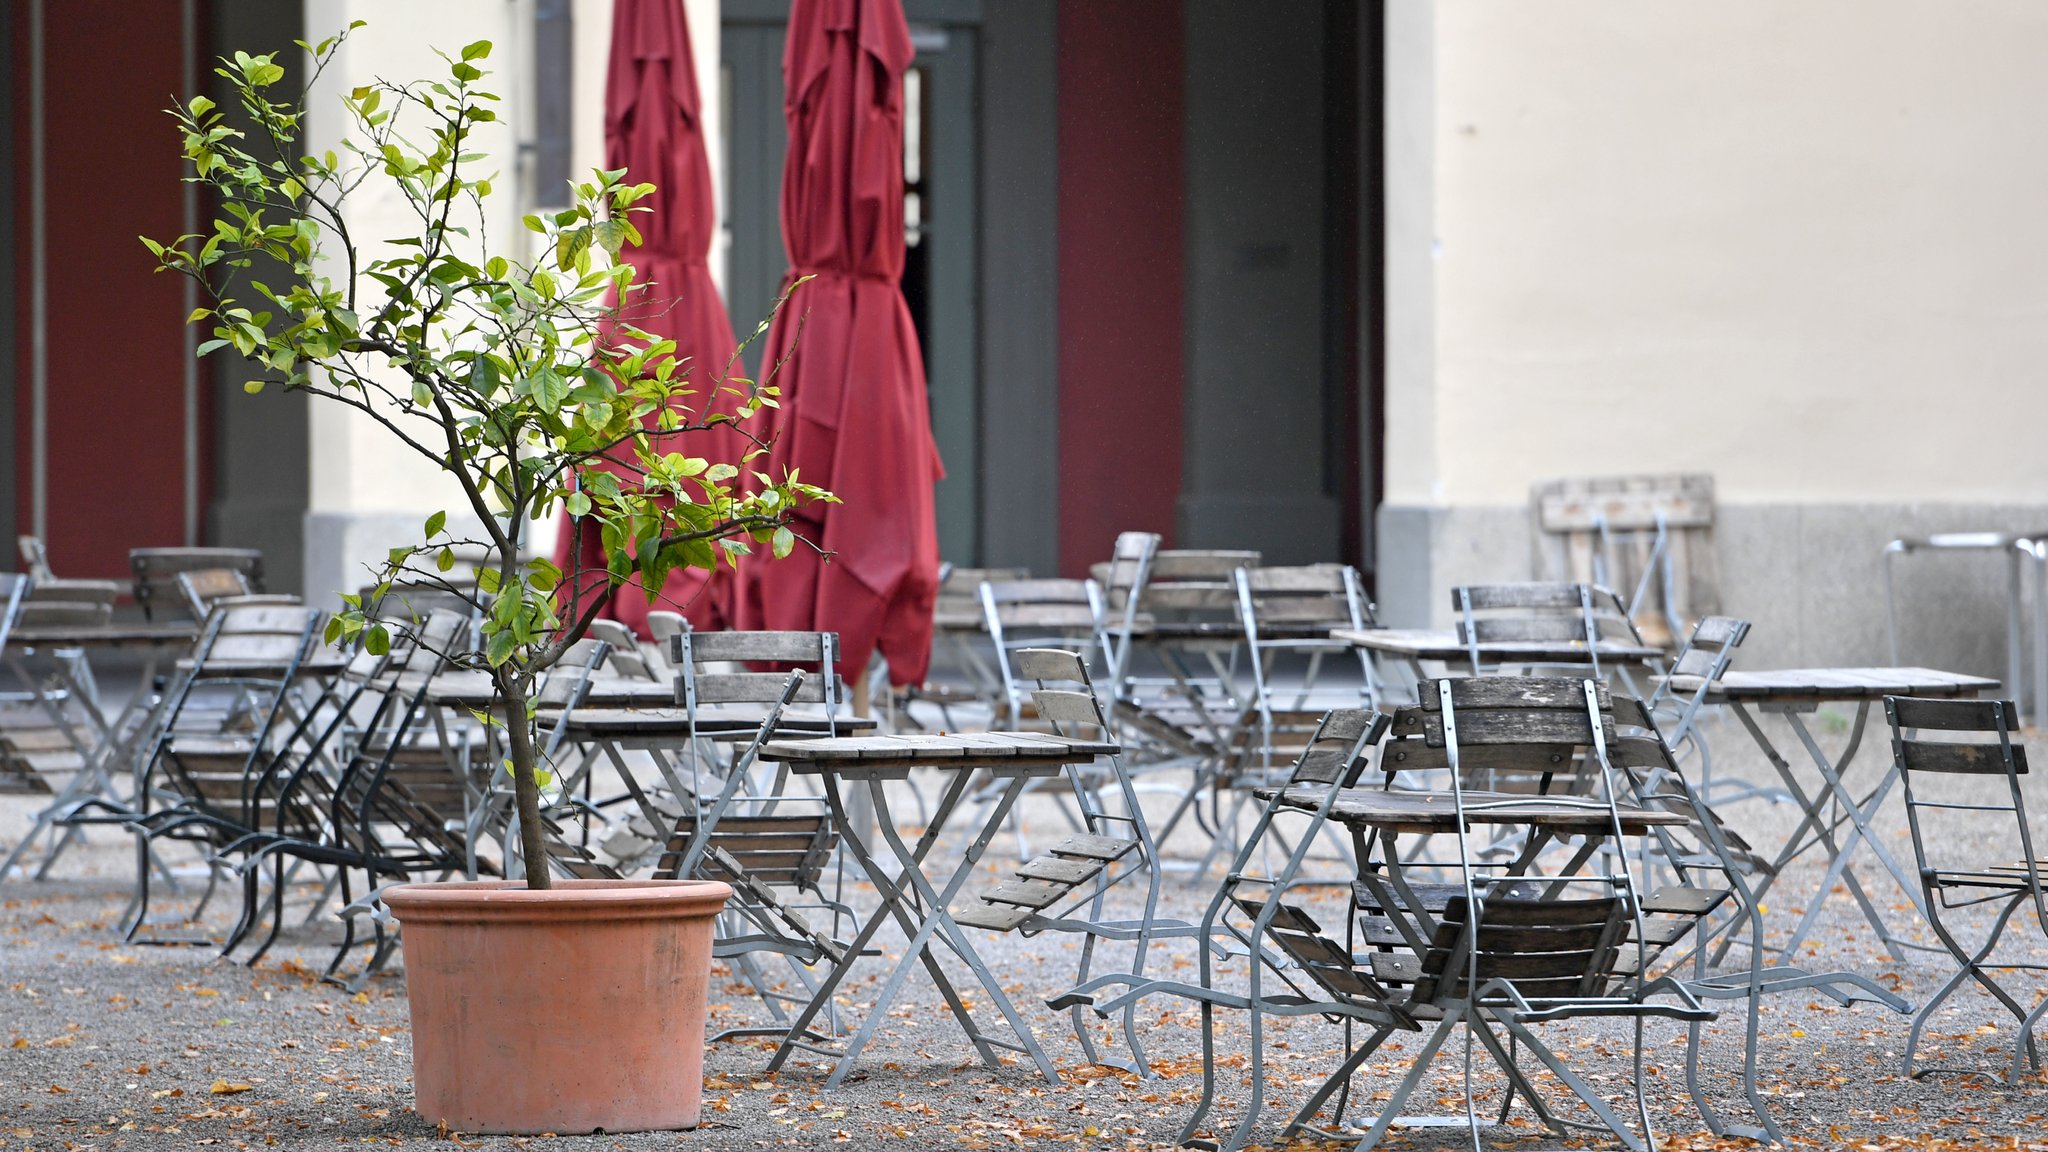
{"x": 941, "y": 219}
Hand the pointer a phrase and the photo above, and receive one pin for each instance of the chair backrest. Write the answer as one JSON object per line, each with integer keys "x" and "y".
{"x": 696, "y": 685}
{"x": 1984, "y": 743}
{"x": 35, "y": 557}
{"x": 1706, "y": 654}
{"x": 156, "y": 572}
{"x": 1509, "y": 727}
{"x": 1070, "y": 710}
{"x": 1547, "y": 949}
{"x": 1338, "y": 752}
{"x": 68, "y": 604}
{"x": 1308, "y": 599}
{"x": 664, "y": 626}
{"x": 259, "y": 633}
{"x": 1141, "y": 577}
{"x": 1197, "y": 580}
{"x": 202, "y": 587}
{"x": 1649, "y": 537}
{"x": 625, "y": 658}
{"x": 1044, "y": 613}
{"x": 1540, "y": 612}
{"x": 13, "y": 587}
{"x": 958, "y": 606}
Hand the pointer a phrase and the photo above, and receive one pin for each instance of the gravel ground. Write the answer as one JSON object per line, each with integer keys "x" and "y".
{"x": 106, "y": 1045}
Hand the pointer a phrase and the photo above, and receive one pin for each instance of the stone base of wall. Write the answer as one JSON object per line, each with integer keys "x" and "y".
{"x": 341, "y": 547}
{"x": 1808, "y": 577}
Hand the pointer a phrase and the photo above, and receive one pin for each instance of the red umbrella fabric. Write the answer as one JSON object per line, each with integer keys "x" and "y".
{"x": 853, "y": 416}
{"x": 651, "y": 129}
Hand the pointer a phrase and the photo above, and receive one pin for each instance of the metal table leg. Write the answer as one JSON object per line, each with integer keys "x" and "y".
{"x": 1814, "y": 817}
{"x": 921, "y": 910}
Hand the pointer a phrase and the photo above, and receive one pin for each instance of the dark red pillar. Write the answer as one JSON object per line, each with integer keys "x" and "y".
{"x": 1120, "y": 272}
{"x": 116, "y": 333}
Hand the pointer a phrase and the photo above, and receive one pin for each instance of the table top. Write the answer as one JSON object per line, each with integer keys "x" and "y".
{"x": 712, "y": 721}
{"x": 1443, "y": 644}
{"x": 107, "y": 636}
{"x": 937, "y": 749}
{"x": 1431, "y": 812}
{"x": 1826, "y": 684}
{"x": 466, "y": 688}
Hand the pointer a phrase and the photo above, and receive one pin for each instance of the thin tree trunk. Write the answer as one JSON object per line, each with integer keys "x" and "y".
{"x": 533, "y": 849}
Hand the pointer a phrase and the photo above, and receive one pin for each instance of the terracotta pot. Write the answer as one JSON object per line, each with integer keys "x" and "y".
{"x": 575, "y": 1010}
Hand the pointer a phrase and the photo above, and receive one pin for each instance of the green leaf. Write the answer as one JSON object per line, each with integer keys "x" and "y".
{"x": 500, "y": 647}
{"x": 377, "y": 641}
{"x": 436, "y": 522}
{"x": 477, "y": 51}
{"x": 446, "y": 560}
{"x": 577, "y": 503}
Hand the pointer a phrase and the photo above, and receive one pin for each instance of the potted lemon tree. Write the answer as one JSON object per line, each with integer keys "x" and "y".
{"x": 510, "y": 371}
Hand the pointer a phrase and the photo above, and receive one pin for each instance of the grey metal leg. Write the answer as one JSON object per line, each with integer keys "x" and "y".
{"x": 2038, "y": 550}
{"x": 920, "y": 925}
{"x": 1814, "y": 817}
{"x": 938, "y": 919}
{"x": 1859, "y": 815}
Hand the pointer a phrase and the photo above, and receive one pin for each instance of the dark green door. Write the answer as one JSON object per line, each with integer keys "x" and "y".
{"x": 941, "y": 200}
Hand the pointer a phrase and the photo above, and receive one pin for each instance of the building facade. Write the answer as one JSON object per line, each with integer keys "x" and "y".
{"x": 1331, "y": 279}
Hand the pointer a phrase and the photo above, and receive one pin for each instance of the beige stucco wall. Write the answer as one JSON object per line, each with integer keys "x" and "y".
{"x": 1798, "y": 245}
{"x": 368, "y": 492}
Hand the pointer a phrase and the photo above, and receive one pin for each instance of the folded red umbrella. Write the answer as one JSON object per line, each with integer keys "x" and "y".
{"x": 652, "y": 130}
{"x": 853, "y": 417}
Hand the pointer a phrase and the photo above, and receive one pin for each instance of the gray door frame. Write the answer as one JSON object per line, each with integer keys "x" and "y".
{"x": 947, "y": 33}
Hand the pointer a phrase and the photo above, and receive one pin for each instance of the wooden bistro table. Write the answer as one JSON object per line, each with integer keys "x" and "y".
{"x": 613, "y": 715}
{"x": 920, "y": 904}
{"x": 1792, "y": 692}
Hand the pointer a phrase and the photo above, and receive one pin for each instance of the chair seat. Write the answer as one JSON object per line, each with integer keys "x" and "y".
{"x": 1042, "y": 882}
{"x": 2003, "y": 877}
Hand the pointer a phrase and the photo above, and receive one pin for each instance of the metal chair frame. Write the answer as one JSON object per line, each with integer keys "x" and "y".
{"x": 2009, "y": 887}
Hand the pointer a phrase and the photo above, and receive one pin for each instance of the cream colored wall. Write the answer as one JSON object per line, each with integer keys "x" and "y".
{"x": 356, "y": 465}
{"x": 593, "y": 22}
{"x": 1798, "y": 245}
{"x": 368, "y": 492}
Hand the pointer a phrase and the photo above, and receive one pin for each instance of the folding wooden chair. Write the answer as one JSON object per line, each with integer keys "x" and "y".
{"x": 1287, "y": 615}
{"x": 1021, "y": 614}
{"x": 774, "y": 849}
{"x": 378, "y": 813}
{"x": 1026, "y": 615}
{"x": 1650, "y": 536}
{"x": 1177, "y": 604}
{"x": 1249, "y": 910}
{"x": 1064, "y": 888}
{"x": 959, "y": 626}
{"x": 202, "y": 777}
{"x": 1528, "y": 956}
{"x": 1982, "y": 745}
{"x": 1709, "y": 868}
